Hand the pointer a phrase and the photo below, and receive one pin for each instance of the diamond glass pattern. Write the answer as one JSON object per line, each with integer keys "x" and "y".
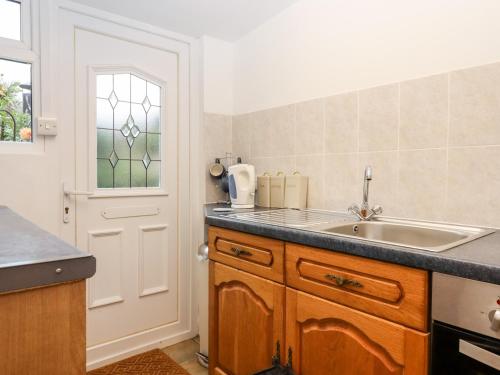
{"x": 146, "y": 160}
{"x": 113, "y": 100}
{"x": 113, "y": 158}
{"x": 146, "y": 104}
{"x": 128, "y": 140}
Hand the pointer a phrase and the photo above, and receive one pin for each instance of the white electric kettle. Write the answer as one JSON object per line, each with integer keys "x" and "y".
{"x": 241, "y": 178}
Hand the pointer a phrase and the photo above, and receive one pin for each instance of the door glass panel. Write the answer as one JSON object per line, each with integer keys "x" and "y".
{"x": 128, "y": 131}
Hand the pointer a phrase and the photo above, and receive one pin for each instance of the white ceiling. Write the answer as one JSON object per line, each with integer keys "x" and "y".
{"x": 224, "y": 19}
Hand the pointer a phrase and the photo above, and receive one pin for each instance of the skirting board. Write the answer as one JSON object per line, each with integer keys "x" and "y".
{"x": 109, "y": 352}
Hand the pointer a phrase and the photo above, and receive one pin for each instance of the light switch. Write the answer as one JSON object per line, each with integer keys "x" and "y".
{"x": 47, "y": 126}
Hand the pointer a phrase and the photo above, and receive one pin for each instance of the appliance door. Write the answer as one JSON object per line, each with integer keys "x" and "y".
{"x": 455, "y": 351}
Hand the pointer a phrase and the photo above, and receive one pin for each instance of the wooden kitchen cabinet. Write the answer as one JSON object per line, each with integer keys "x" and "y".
{"x": 246, "y": 321}
{"x": 338, "y": 313}
{"x": 328, "y": 338}
{"x": 42, "y": 330}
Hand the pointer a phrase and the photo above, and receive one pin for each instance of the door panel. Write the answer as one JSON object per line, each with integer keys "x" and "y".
{"x": 246, "y": 321}
{"x": 126, "y": 156}
{"x": 327, "y": 338}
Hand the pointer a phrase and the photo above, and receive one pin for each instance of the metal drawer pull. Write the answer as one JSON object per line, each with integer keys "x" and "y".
{"x": 342, "y": 281}
{"x": 479, "y": 354}
{"x": 240, "y": 252}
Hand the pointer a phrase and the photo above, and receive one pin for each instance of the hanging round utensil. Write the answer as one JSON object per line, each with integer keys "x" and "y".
{"x": 216, "y": 169}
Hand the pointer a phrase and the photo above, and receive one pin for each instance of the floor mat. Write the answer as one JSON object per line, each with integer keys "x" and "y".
{"x": 154, "y": 362}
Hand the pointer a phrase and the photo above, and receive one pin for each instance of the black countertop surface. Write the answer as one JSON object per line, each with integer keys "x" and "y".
{"x": 478, "y": 260}
{"x": 30, "y": 256}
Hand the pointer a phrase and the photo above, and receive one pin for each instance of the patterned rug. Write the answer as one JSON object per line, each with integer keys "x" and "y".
{"x": 154, "y": 362}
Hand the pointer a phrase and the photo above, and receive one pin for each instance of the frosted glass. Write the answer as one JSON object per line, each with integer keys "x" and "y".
{"x": 154, "y": 146}
{"x": 138, "y": 174}
{"x": 154, "y": 94}
{"x": 139, "y": 116}
{"x": 122, "y": 174}
{"x": 122, "y": 87}
{"x": 104, "y": 143}
{"x": 122, "y": 113}
{"x": 104, "y": 114}
{"x": 122, "y": 148}
{"x": 128, "y": 131}
{"x": 154, "y": 120}
{"x": 154, "y": 174}
{"x": 139, "y": 147}
{"x": 104, "y": 85}
{"x": 104, "y": 174}
{"x": 10, "y": 19}
{"x": 138, "y": 92}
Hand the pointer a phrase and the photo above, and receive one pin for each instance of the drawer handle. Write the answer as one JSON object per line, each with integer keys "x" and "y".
{"x": 240, "y": 252}
{"x": 342, "y": 281}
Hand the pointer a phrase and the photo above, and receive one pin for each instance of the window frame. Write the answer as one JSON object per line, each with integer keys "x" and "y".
{"x": 26, "y": 50}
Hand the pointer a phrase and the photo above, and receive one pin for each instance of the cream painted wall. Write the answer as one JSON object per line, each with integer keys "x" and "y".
{"x": 318, "y": 48}
{"x": 218, "y": 62}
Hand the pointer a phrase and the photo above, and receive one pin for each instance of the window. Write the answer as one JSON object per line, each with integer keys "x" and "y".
{"x": 10, "y": 19}
{"x": 15, "y": 101}
{"x": 128, "y": 131}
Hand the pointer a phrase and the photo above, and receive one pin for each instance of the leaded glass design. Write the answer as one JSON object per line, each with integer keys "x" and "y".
{"x": 128, "y": 131}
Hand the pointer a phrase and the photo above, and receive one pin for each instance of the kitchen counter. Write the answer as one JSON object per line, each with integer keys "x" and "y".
{"x": 31, "y": 257}
{"x": 478, "y": 260}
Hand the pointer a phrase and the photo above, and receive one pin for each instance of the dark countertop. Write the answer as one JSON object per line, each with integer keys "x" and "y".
{"x": 478, "y": 260}
{"x": 29, "y": 256}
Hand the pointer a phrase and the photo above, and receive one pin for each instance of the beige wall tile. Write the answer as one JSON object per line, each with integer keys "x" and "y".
{"x": 424, "y": 113}
{"x": 379, "y": 118}
{"x": 312, "y": 166}
{"x": 273, "y": 165}
{"x": 282, "y": 123}
{"x": 341, "y": 123}
{"x": 217, "y": 140}
{"x": 422, "y": 184}
{"x": 309, "y": 127}
{"x": 260, "y": 135}
{"x": 242, "y": 128}
{"x": 474, "y": 186}
{"x": 341, "y": 177}
{"x": 475, "y": 106}
{"x": 383, "y": 186}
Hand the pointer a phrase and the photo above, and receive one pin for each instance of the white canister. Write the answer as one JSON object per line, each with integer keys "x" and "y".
{"x": 278, "y": 190}
{"x": 296, "y": 191}
{"x": 264, "y": 190}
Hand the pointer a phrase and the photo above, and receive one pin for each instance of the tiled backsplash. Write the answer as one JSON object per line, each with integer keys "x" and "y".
{"x": 434, "y": 144}
{"x": 216, "y": 142}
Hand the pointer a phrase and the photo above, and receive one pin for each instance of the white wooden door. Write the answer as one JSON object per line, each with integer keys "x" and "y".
{"x": 126, "y": 156}
{"x": 124, "y": 115}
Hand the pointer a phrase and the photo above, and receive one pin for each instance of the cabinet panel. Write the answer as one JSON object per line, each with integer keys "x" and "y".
{"x": 246, "y": 320}
{"x": 327, "y": 338}
{"x": 258, "y": 255}
{"x": 391, "y": 291}
{"x": 42, "y": 330}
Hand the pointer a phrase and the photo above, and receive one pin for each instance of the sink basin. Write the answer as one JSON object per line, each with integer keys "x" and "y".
{"x": 418, "y": 235}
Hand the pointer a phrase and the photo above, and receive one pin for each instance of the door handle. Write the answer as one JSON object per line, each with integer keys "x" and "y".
{"x": 479, "y": 354}
{"x": 66, "y": 191}
{"x": 66, "y": 200}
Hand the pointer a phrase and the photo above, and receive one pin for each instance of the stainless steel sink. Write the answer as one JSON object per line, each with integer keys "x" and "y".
{"x": 401, "y": 232}
{"x": 414, "y": 234}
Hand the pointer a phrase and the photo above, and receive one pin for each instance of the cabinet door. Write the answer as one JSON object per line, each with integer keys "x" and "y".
{"x": 327, "y": 338}
{"x": 246, "y": 321}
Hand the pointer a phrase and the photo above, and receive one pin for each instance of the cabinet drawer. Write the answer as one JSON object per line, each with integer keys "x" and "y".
{"x": 258, "y": 255}
{"x": 391, "y": 291}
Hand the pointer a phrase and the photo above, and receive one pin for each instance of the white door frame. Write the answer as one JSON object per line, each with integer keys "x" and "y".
{"x": 189, "y": 115}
